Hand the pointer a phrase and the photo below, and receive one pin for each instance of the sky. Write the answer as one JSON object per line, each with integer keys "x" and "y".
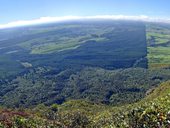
{"x": 15, "y": 11}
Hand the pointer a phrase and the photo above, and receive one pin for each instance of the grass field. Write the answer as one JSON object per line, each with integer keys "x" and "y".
{"x": 66, "y": 37}
{"x": 158, "y": 38}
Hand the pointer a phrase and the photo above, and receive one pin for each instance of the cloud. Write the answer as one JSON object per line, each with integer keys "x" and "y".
{"x": 43, "y": 20}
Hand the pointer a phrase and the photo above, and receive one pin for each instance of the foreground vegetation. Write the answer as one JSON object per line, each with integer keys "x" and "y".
{"x": 151, "y": 112}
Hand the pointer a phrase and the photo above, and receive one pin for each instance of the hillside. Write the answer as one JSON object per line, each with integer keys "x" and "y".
{"x": 153, "y": 111}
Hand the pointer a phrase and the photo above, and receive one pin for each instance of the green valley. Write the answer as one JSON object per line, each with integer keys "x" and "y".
{"x": 85, "y": 74}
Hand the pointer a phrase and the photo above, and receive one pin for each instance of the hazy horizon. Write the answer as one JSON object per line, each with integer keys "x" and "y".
{"x": 44, "y": 20}
{"x": 24, "y": 12}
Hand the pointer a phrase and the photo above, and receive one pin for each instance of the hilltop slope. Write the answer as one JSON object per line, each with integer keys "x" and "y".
{"x": 153, "y": 111}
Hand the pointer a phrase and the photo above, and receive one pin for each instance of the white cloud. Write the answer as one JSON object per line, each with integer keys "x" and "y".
{"x": 66, "y": 18}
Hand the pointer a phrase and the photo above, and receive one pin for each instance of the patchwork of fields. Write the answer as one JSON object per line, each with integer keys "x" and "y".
{"x": 158, "y": 40}
{"x": 105, "y": 44}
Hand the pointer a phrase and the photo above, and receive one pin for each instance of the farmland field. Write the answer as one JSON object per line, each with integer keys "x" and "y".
{"x": 105, "y": 44}
{"x": 158, "y": 40}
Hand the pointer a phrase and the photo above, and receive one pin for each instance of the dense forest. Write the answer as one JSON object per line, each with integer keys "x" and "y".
{"x": 97, "y": 85}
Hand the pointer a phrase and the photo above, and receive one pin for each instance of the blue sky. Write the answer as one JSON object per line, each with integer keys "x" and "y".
{"x": 14, "y": 10}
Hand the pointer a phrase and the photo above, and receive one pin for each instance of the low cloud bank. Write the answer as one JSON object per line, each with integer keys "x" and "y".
{"x": 43, "y": 20}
